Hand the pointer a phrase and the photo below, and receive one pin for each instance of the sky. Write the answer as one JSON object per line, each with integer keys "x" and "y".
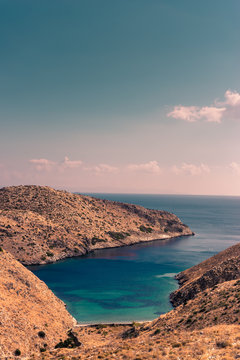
{"x": 130, "y": 96}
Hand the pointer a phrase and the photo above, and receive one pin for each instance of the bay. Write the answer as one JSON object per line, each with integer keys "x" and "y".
{"x": 133, "y": 283}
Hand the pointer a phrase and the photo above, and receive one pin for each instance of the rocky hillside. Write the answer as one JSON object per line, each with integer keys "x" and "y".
{"x": 202, "y": 328}
{"x": 34, "y": 324}
{"x": 32, "y": 318}
{"x": 40, "y": 225}
{"x": 222, "y": 267}
{"x": 207, "y": 327}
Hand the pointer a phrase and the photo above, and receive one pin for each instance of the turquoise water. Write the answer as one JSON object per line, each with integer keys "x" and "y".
{"x": 134, "y": 283}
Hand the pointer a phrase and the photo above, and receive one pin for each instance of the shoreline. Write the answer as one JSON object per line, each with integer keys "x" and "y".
{"x": 73, "y": 256}
{"x": 115, "y": 323}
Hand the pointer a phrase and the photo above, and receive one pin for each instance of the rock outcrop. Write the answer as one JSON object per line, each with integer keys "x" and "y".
{"x": 32, "y": 318}
{"x": 40, "y": 225}
{"x": 224, "y": 266}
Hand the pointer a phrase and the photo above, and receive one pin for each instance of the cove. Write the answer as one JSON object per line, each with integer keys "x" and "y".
{"x": 133, "y": 283}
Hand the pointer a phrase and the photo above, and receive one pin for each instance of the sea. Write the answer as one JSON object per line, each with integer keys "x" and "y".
{"x": 133, "y": 283}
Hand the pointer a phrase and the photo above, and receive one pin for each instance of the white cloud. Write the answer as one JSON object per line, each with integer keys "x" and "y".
{"x": 67, "y": 163}
{"x": 211, "y": 113}
{"x": 232, "y": 98}
{"x": 46, "y": 165}
{"x": 194, "y": 113}
{"x": 105, "y": 168}
{"x": 102, "y": 168}
{"x": 229, "y": 108}
{"x": 235, "y": 167}
{"x": 151, "y": 167}
{"x": 191, "y": 169}
{"x": 42, "y": 164}
{"x": 187, "y": 113}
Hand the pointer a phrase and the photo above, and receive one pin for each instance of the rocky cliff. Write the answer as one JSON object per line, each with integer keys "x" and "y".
{"x": 224, "y": 266}
{"x": 40, "y": 225}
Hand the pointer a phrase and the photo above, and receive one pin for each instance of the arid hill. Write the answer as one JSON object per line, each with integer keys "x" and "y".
{"x": 203, "y": 328}
{"x": 222, "y": 267}
{"x": 40, "y": 225}
{"x": 35, "y": 324}
{"x": 32, "y": 318}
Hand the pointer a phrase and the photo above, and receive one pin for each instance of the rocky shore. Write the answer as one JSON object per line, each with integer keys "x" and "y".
{"x": 34, "y": 323}
{"x": 40, "y": 225}
{"x": 222, "y": 267}
{"x": 204, "y": 325}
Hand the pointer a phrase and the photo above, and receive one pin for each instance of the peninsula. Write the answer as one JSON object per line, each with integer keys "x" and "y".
{"x": 40, "y": 225}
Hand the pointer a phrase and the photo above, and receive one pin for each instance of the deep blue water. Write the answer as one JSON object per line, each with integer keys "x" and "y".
{"x": 134, "y": 283}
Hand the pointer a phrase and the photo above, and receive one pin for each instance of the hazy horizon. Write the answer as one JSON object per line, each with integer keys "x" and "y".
{"x": 139, "y": 96}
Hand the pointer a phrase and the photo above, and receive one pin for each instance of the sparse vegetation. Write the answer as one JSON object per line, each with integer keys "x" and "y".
{"x": 96, "y": 240}
{"x": 222, "y": 344}
{"x": 57, "y": 224}
{"x": 49, "y": 254}
{"x": 41, "y": 334}
{"x": 17, "y": 352}
{"x": 145, "y": 229}
{"x": 71, "y": 342}
{"x": 117, "y": 235}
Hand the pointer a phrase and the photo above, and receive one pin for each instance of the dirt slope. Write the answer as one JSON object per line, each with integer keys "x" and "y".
{"x": 31, "y": 316}
{"x": 40, "y": 225}
{"x": 202, "y": 328}
{"x": 222, "y": 267}
{"x": 207, "y": 327}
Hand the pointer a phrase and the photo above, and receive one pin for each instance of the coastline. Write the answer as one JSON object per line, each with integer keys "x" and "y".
{"x": 112, "y": 324}
{"x": 140, "y": 241}
{"x": 58, "y": 224}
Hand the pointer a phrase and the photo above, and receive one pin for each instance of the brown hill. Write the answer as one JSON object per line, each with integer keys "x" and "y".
{"x": 32, "y": 318}
{"x": 205, "y": 327}
{"x": 222, "y": 267}
{"x": 40, "y": 225}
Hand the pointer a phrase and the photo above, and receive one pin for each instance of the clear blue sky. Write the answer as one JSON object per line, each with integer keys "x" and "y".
{"x": 95, "y": 80}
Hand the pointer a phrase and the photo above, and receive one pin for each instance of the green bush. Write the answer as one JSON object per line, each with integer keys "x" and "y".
{"x": 49, "y": 253}
{"x": 222, "y": 344}
{"x": 95, "y": 240}
{"x": 176, "y": 345}
{"x": 145, "y": 229}
{"x": 117, "y": 235}
{"x": 41, "y": 334}
{"x": 71, "y": 342}
{"x": 17, "y": 352}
